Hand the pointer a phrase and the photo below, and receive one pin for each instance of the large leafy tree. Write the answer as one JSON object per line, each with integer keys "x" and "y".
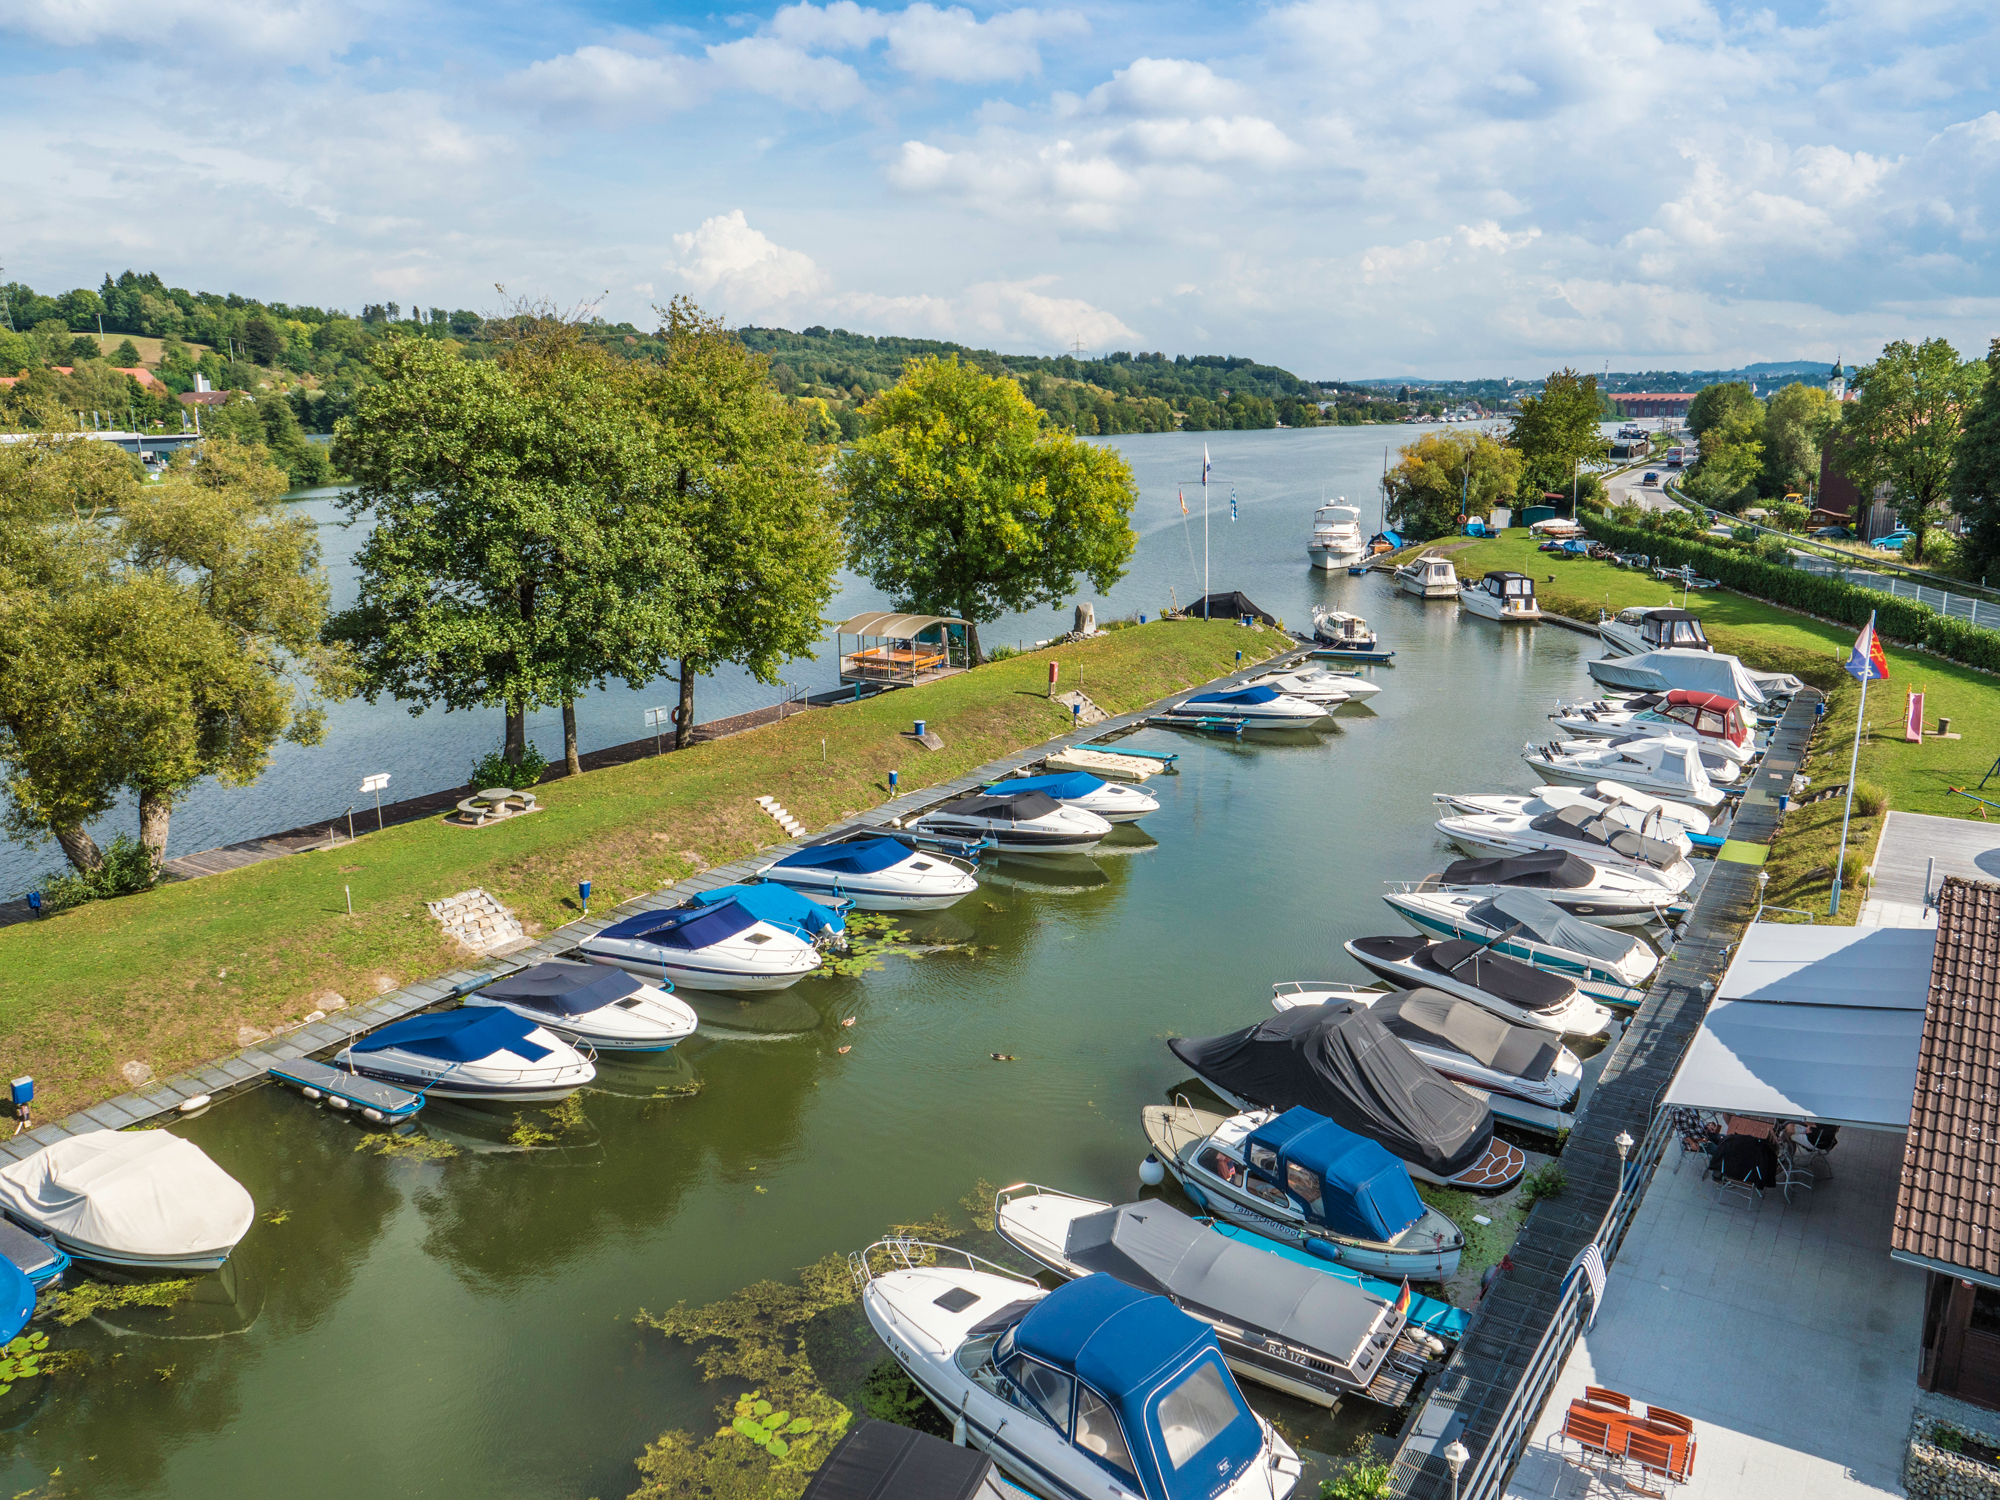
{"x": 1902, "y": 429}
{"x": 1727, "y": 420}
{"x": 1975, "y": 471}
{"x": 961, "y": 504}
{"x": 1557, "y": 432}
{"x": 1796, "y": 423}
{"x": 1444, "y": 475}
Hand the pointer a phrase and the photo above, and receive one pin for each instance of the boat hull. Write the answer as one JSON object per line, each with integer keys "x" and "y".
{"x": 471, "y": 1090}
{"x": 1591, "y": 774}
{"x": 1487, "y": 607}
{"x": 689, "y": 971}
{"x": 210, "y": 1259}
{"x": 1416, "y": 587}
{"x": 1330, "y": 558}
{"x": 1580, "y": 1017}
{"x": 1621, "y": 986}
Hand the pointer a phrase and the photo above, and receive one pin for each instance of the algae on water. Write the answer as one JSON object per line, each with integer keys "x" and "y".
{"x": 89, "y": 1298}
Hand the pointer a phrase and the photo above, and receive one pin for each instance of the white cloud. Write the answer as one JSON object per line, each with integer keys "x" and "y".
{"x": 842, "y": 26}
{"x": 304, "y": 32}
{"x": 791, "y": 75}
{"x": 1166, "y": 86}
{"x": 606, "y": 85}
{"x": 743, "y": 271}
{"x": 953, "y": 45}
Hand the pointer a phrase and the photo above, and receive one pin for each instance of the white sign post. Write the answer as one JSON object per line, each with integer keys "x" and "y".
{"x": 375, "y": 784}
{"x": 656, "y": 720}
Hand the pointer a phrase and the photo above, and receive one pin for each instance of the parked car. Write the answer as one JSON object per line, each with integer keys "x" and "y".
{"x": 1893, "y": 542}
{"x": 1834, "y": 534}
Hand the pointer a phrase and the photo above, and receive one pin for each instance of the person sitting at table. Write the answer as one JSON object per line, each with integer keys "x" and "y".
{"x": 1751, "y": 1125}
{"x": 1746, "y": 1158}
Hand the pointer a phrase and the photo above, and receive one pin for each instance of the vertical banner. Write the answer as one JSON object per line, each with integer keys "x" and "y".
{"x": 1913, "y": 720}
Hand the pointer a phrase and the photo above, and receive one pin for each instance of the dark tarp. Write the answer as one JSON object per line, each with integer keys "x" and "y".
{"x": 1160, "y": 1249}
{"x": 1544, "y": 870}
{"x": 1339, "y": 1061}
{"x": 881, "y": 1461}
{"x": 1526, "y": 1052}
{"x": 565, "y": 989}
{"x": 1230, "y": 606}
{"x": 1474, "y": 964}
{"x": 1588, "y": 825}
{"x": 1023, "y": 807}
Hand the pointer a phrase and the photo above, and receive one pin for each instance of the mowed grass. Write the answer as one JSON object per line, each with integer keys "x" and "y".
{"x": 169, "y": 977}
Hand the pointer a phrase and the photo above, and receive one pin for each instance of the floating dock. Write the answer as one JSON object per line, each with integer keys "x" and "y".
{"x": 382, "y": 1103}
{"x": 1107, "y": 765}
{"x": 1319, "y": 653}
{"x": 1206, "y": 723}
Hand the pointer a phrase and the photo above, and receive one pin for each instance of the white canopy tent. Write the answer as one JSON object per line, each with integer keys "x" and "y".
{"x": 1819, "y": 1023}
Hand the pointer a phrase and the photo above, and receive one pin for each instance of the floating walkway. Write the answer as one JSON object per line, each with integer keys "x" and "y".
{"x": 381, "y": 1103}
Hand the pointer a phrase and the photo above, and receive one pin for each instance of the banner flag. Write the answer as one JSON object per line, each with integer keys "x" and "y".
{"x": 1868, "y": 663}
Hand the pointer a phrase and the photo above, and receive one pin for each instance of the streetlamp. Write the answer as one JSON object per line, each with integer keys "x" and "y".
{"x": 1457, "y": 1456}
{"x": 1624, "y": 1145}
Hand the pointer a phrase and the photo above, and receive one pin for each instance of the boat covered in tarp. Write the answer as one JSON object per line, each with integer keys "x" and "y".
{"x": 1229, "y": 606}
{"x": 881, "y": 1461}
{"x": 1543, "y": 870}
{"x": 1341, "y": 1062}
{"x": 1539, "y": 918}
{"x": 564, "y": 989}
{"x": 1692, "y": 671}
{"x": 132, "y": 1198}
{"x": 781, "y": 906}
{"x": 1441, "y": 1020}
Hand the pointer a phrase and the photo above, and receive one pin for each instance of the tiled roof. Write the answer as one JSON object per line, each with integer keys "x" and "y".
{"x": 1945, "y": 1208}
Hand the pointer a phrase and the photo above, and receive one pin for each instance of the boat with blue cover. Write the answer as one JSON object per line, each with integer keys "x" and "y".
{"x": 612, "y": 1010}
{"x": 1094, "y": 1391}
{"x": 876, "y": 874}
{"x": 479, "y": 1052}
{"x": 1303, "y": 1180}
{"x": 1257, "y": 707}
{"x": 17, "y": 1300}
{"x": 724, "y": 946}
{"x": 1111, "y": 802}
{"x": 823, "y": 922}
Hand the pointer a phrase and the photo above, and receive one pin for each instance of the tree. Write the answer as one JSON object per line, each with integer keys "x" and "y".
{"x": 1975, "y": 473}
{"x": 126, "y": 355}
{"x": 525, "y": 545}
{"x": 960, "y": 505}
{"x": 1728, "y": 421}
{"x": 1444, "y": 475}
{"x": 1558, "y": 431}
{"x": 1902, "y": 430}
{"x": 751, "y": 495}
{"x": 263, "y": 340}
{"x": 1796, "y": 422}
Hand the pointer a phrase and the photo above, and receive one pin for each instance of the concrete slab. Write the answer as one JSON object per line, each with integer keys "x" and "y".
{"x": 1786, "y": 1333}
{"x": 1912, "y": 841}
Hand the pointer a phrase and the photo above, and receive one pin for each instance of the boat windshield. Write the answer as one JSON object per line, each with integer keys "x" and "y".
{"x": 1097, "y": 1434}
{"x": 1197, "y": 1411}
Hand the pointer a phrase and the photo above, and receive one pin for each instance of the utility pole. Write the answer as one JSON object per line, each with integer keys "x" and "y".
{"x": 7, "y": 303}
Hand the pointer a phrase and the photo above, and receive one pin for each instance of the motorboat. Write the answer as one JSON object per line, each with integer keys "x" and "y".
{"x": 722, "y": 947}
{"x": 1654, "y": 816}
{"x": 1017, "y": 823}
{"x": 1716, "y": 723}
{"x": 1465, "y": 1042}
{"x": 1427, "y": 1314}
{"x": 478, "y": 1052}
{"x": 1611, "y": 895}
{"x": 612, "y": 1010}
{"x": 1257, "y": 707}
{"x": 17, "y": 1301}
{"x": 823, "y": 922}
{"x": 1721, "y": 768}
{"x": 1666, "y": 768}
{"x": 1524, "y": 925}
{"x": 1094, "y": 1391}
{"x": 1602, "y": 835}
{"x": 1284, "y": 1325}
{"x": 1342, "y": 1063}
{"x": 1299, "y": 1178}
{"x": 1512, "y": 990}
{"x": 1339, "y": 633}
{"x": 1428, "y": 576}
{"x": 1336, "y": 537}
{"x": 876, "y": 873}
{"x": 1643, "y": 628}
{"x": 1696, "y": 671}
{"x": 1357, "y": 688}
{"x": 1312, "y": 684}
{"x": 35, "y": 1256}
{"x": 1109, "y": 800}
{"x": 140, "y": 1198}
{"x": 1507, "y": 597}
{"x": 883, "y": 1461}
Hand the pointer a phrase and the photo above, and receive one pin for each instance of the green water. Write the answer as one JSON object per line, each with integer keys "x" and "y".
{"x": 464, "y": 1327}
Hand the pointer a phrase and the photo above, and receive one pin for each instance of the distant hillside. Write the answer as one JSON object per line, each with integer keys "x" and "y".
{"x": 1766, "y": 377}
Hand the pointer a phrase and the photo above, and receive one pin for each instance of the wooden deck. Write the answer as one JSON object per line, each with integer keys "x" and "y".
{"x": 1911, "y": 841}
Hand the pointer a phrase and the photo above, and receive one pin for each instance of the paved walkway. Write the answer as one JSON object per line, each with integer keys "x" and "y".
{"x": 1787, "y": 1333}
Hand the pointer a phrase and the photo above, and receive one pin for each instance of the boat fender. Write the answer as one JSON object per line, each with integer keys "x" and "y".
{"x": 310, "y": 1093}
{"x": 336, "y": 1101}
{"x": 189, "y": 1106}
{"x": 958, "y": 1431}
{"x": 373, "y": 1114}
{"x": 1325, "y": 1251}
{"x": 1151, "y": 1172}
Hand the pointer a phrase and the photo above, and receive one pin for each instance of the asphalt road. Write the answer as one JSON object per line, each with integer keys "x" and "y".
{"x": 1630, "y": 486}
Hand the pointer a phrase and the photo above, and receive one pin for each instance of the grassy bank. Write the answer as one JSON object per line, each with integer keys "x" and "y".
{"x": 168, "y": 978}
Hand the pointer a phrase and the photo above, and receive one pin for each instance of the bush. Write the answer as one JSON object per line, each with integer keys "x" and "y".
{"x": 1001, "y": 653}
{"x": 127, "y": 870}
{"x": 1871, "y": 799}
{"x": 497, "y": 770}
{"x": 1775, "y": 550}
{"x": 1358, "y": 1479}
{"x": 1546, "y": 1181}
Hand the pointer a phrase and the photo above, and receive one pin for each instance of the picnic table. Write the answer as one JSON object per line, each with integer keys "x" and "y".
{"x": 1655, "y": 1442}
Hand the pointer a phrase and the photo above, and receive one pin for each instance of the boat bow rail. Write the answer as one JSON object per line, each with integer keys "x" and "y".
{"x": 903, "y": 1253}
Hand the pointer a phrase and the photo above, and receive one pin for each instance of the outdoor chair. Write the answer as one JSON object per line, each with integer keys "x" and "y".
{"x": 1655, "y": 1457}
{"x": 1598, "y": 1395}
{"x": 1752, "y": 1193}
{"x": 1794, "y": 1176}
{"x": 1591, "y": 1434}
{"x": 1812, "y": 1145}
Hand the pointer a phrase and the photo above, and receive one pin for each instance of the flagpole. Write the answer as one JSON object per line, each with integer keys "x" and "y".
{"x": 1853, "y": 763}
{"x": 1204, "y": 531}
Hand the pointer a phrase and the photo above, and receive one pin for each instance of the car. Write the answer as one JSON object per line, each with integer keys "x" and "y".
{"x": 1834, "y": 534}
{"x": 1893, "y": 542}
{"x": 1652, "y": 477}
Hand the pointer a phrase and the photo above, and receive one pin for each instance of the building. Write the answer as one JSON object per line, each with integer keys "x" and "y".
{"x": 1653, "y": 403}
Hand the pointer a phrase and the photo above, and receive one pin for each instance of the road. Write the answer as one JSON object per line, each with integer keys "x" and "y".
{"x": 1629, "y": 486}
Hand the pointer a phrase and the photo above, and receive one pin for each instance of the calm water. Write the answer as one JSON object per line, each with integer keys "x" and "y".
{"x": 462, "y": 1328}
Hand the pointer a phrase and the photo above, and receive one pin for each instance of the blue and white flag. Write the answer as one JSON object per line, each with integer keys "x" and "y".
{"x": 1868, "y": 663}
{"x": 1204, "y": 463}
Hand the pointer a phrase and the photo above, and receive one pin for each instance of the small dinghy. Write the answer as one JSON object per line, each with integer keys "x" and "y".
{"x": 1257, "y": 707}
{"x": 1079, "y": 789}
{"x": 1666, "y": 768}
{"x": 1525, "y": 925}
{"x": 1280, "y": 1324}
{"x": 1255, "y": 1170}
{"x": 876, "y": 874}
{"x": 1094, "y": 1391}
{"x": 1716, "y": 723}
{"x": 1312, "y": 684}
{"x": 1017, "y": 823}
{"x": 1609, "y": 895}
{"x": 881, "y": 1461}
{"x": 479, "y": 1052}
{"x": 721, "y": 947}
{"x": 1345, "y": 1065}
{"x": 1467, "y": 1043}
{"x": 1657, "y": 861}
{"x": 1513, "y": 991}
{"x": 611, "y": 1010}
{"x": 142, "y": 1198}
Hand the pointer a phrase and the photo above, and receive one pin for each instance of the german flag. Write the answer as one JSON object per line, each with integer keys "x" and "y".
{"x": 1402, "y": 1307}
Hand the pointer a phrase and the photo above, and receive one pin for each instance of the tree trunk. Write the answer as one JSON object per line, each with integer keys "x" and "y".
{"x": 155, "y": 808}
{"x": 684, "y": 712}
{"x": 517, "y": 733}
{"x": 972, "y": 656}
{"x": 79, "y": 848}
{"x": 571, "y": 763}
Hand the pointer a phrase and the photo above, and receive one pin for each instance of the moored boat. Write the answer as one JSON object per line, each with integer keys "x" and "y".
{"x": 1526, "y": 926}
{"x": 1110, "y": 801}
{"x": 1512, "y": 990}
{"x": 1590, "y": 832}
{"x": 1257, "y": 707}
{"x": 478, "y": 1053}
{"x": 1506, "y": 597}
{"x": 1663, "y": 767}
{"x": 1025, "y": 822}
{"x": 1656, "y": 817}
{"x": 1338, "y": 632}
{"x": 721, "y": 947}
{"x": 1428, "y": 576}
{"x": 144, "y": 1199}
{"x": 612, "y": 1010}
{"x": 1336, "y": 537}
{"x": 1717, "y": 723}
{"x": 1311, "y": 684}
{"x": 1611, "y": 895}
{"x": 876, "y": 873}
{"x": 1643, "y": 628}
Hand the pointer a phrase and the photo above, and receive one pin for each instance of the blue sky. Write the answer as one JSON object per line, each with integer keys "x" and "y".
{"x": 1343, "y": 187}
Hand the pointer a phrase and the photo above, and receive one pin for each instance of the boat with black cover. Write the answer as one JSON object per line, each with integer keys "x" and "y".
{"x": 1028, "y": 822}
{"x": 1514, "y": 991}
{"x": 1588, "y": 831}
{"x": 881, "y": 1461}
{"x": 1256, "y": 707}
{"x": 1525, "y": 925}
{"x": 1609, "y": 895}
{"x": 1112, "y": 802}
{"x": 608, "y": 1008}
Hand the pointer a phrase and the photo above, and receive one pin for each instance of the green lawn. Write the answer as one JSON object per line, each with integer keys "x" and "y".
{"x": 168, "y": 978}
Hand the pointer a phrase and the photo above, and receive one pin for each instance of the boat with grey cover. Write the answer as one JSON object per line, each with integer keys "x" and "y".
{"x": 1609, "y": 895}
{"x": 1511, "y": 990}
{"x": 1027, "y": 822}
{"x": 1524, "y": 925}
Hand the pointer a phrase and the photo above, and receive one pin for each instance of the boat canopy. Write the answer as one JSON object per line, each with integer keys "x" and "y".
{"x": 881, "y": 1461}
{"x": 17, "y": 1299}
{"x": 1155, "y": 1247}
{"x": 687, "y": 927}
{"x": 779, "y": 905}
{"x": 1545, "y": 922}
{"x": 1545, "y": 869}
{"x": 867, "y": 857}
{"x": 143, "y": 1192}
{"x": 1230, "y": 606}
{"x": 1068, "y": 784}
{"x": 1347, "y": 1182}
{"x": 1588, "y": 825}
{"x": 1474, "y": 964}
{"x": 458, "y": 1036}
{"x": 1340, "y": 1062}
{"x": 1443, "y": 1020}
{"x": 1162, "y": 1373}
{"x": 1697, "y": 671}
{"x": 1504, "y": 584}
{"x": 1672, "y": 628}
{"x": 1244, "y": 696}
{"x": 1008, "y": 806}
{"x": 565, "y": 989}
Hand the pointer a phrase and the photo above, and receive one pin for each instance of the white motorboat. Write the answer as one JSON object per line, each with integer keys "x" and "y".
{"x": 1666, "y": 768}
{"x": 1602, "y": 835}
{"x": 1017, "y": 823}
{"x": 1697, "y": 671}
{"x": 1110, "y": 801}
{"x": 1258, "y": 707}
{"x": 479, "y": 1052}
{"x": 876, "y": 873}
{"x": 1524, "y": 925}
{"x": 1507, "y": 597}
{"x": 1465, "y": 1042}
{"x": 1345, "y": 634}
{"x": 141, "y": 1198}
{"x": 1721, "y": 769}
{"x": 1254, "y": 1170}
{"x": 611, "y": 1010}
{"x": 1513, "y": 991}
{"x": 723, "y": 947}
{"x": 1336, "y": 537}
{"x": 1313, "y": 684}
{"x": 1669, "y": 819}
{"x": 1716, "y": 723}
{"x": 1651, "y": 628}
{"x": 1289, "y": 1326}
{"x": 1357, "y": 688}
{"x": 1428, "y": 576}
{"x": 1607, "y": 894}
{"x": 1094, "y": 1391}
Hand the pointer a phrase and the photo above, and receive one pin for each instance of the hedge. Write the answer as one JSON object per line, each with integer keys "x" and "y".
{"x": 1898, "y": 619}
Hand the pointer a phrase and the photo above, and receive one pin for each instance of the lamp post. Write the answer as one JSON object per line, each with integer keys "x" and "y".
{"x": 1624, "y": 1145}
{"x": 1457, "y": 1456}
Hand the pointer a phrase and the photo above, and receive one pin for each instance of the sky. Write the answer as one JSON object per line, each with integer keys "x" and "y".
{"x": 1346, "y": 188}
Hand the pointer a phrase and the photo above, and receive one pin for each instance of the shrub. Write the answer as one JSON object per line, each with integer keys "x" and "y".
{"x": 1358, "y": 1479}
{"x": 127, "y": 869}
{"x": 1546, "y": 1181}
{"x": 1872, "y": 799}
{"x": 497, "y": 770}
{"x": 1001, "y": 653}
{"x": 1775, "y": 550}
